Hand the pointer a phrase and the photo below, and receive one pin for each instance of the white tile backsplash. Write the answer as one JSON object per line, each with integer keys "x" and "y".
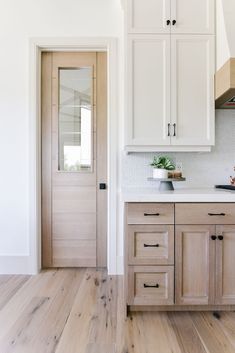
{"x": 201, "y": 169}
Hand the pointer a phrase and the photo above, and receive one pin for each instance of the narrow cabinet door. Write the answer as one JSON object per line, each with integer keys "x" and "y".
{"x": 148, "y": 82}
{"x": 148, "y": 16}
{"x": 192, "y": 82}
{"x": 225, "y": 264}
{"x": 192, "y": 17}
{"x": 195, "y": 263}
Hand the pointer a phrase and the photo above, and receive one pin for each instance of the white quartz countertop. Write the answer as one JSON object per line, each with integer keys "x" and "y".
{"x": 134, "y": 194}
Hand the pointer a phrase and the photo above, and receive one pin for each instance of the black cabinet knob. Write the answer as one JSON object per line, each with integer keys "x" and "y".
{"x": 102, "y": 186}
{"x": 220, "y": 237}
{"x": 213, "y": 237}
{"x": 174, "y": 22}
{"x": 168, "y": 22}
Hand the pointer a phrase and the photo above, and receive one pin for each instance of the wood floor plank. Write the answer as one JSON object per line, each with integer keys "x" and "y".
{"x": 104, "y": 322}
{"x": 100, "y": 348}
{"x": 210, "y": 333}
{"x": 45, "y": 284}
{"x": 227, "y": 324}
{"x": 48, "y": 336}
{"x": 9, "y": 287}
{"x": 186, "y": 333}
{"x": 150, "y": 333}
{"x": 77, "y": 329}
{"x": 83, "y": 311}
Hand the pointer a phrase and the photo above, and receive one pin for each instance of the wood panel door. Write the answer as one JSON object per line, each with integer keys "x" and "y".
{"x": 225, "y": 264}
{"x": 74, "y": 158}
{"x": 195, "y": 264}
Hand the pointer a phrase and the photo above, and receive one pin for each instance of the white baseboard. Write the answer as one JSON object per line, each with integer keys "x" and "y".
{"x": 10, "y": 265}
{"x": 120, "y": 265}
{"x": 117, "y": 267}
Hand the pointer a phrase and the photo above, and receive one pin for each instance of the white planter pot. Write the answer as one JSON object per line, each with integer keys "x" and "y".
{"x": 160, "y": 173}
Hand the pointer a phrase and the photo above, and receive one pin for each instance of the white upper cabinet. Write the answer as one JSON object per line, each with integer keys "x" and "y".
{"x": 192, "y": 16}
{"x": 175, "y": 16}
{"x": 148, "y": 16}
{"x": 148, "y": 88}
{"x": 170, "y": 75}
{"x": 192, "y": 87}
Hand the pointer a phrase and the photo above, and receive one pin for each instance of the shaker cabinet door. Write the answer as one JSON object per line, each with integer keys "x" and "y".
{"x": 148, "y": 103}
{"x": 192, "y": 93}
{"x": 192, "y": 17}
{"x": 195, "y": 264}
{"x": 225, "y": 264}
{"x": 148, "y": 16}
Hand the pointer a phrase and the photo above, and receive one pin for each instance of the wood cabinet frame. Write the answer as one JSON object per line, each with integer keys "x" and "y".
{"x": 220, "y": 275}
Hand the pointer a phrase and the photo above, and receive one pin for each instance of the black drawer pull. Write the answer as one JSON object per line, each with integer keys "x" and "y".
{"x": 213, "y": 237}
{"x": 220, "y": 237}
{"x": 151, "y": 286}
{"x": 151, "y": 214}
{"x": 151, "y": 246}
{"x": 216, "y": 214}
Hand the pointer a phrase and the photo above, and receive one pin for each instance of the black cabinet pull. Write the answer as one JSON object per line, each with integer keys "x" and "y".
{"x": 168, "y": 130}
{"x": 174, "y": 22}
{"x": 168, "y": 22}
{"x": 151, "y": 214}
{"x": 220, "y": 237}
{"x": 151, "y": 286}
{"x": 216, "y": 214}
{"x": 151, "y": 246}
{"x": 174, "y": 125}
{"x": 213, "y": 237}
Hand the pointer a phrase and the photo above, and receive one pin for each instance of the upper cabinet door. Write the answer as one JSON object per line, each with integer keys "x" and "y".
{"x": 148, "y": 90}
{"x": 148, "y": 16}
{"x": 192, "y": 16}
{"x": 192, "y": 93}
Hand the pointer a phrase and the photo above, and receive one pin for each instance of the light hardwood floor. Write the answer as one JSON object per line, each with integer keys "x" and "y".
{"x": 82, "y": 311}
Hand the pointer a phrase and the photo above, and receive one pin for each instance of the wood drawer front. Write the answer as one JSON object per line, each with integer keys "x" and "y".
{"x": 150, "y": 213}
{"x": 205, "y": 213}
{"x": 151, "y": 285}
{"x": 151, "y": 244}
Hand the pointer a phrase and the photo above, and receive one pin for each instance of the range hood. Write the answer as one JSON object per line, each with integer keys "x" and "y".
{"x": 225, "y": 86}
{"x": 225, "y": 55}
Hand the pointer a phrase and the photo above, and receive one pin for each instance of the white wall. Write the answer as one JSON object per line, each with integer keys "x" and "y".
{"x": 225, "y": 31}
{"x": 222, "y": 46}
{"x": 229, "y": 14}
{"x": 19, "y": 21}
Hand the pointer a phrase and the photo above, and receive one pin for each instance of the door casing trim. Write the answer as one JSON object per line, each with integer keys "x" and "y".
{"x": 37, "y": 45}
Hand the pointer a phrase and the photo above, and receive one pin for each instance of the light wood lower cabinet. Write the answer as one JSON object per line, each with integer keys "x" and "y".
{"x": 151, "y": 285}
{"x": 205, "y": 263}
{"x": 151, "y": 244}
{"x": 176, "y": 266}
{"x": 225, "y": 264}
{"x": 195, "y": 263}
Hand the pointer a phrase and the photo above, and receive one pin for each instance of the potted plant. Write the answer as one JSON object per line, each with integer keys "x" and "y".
{"x": 161, "y": 165}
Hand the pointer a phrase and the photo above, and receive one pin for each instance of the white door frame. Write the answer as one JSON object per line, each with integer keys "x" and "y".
{"x": 37, "y": 45}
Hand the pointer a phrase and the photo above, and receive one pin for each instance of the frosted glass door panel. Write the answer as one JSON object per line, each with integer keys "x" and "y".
{"x": 75, "y": 119}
